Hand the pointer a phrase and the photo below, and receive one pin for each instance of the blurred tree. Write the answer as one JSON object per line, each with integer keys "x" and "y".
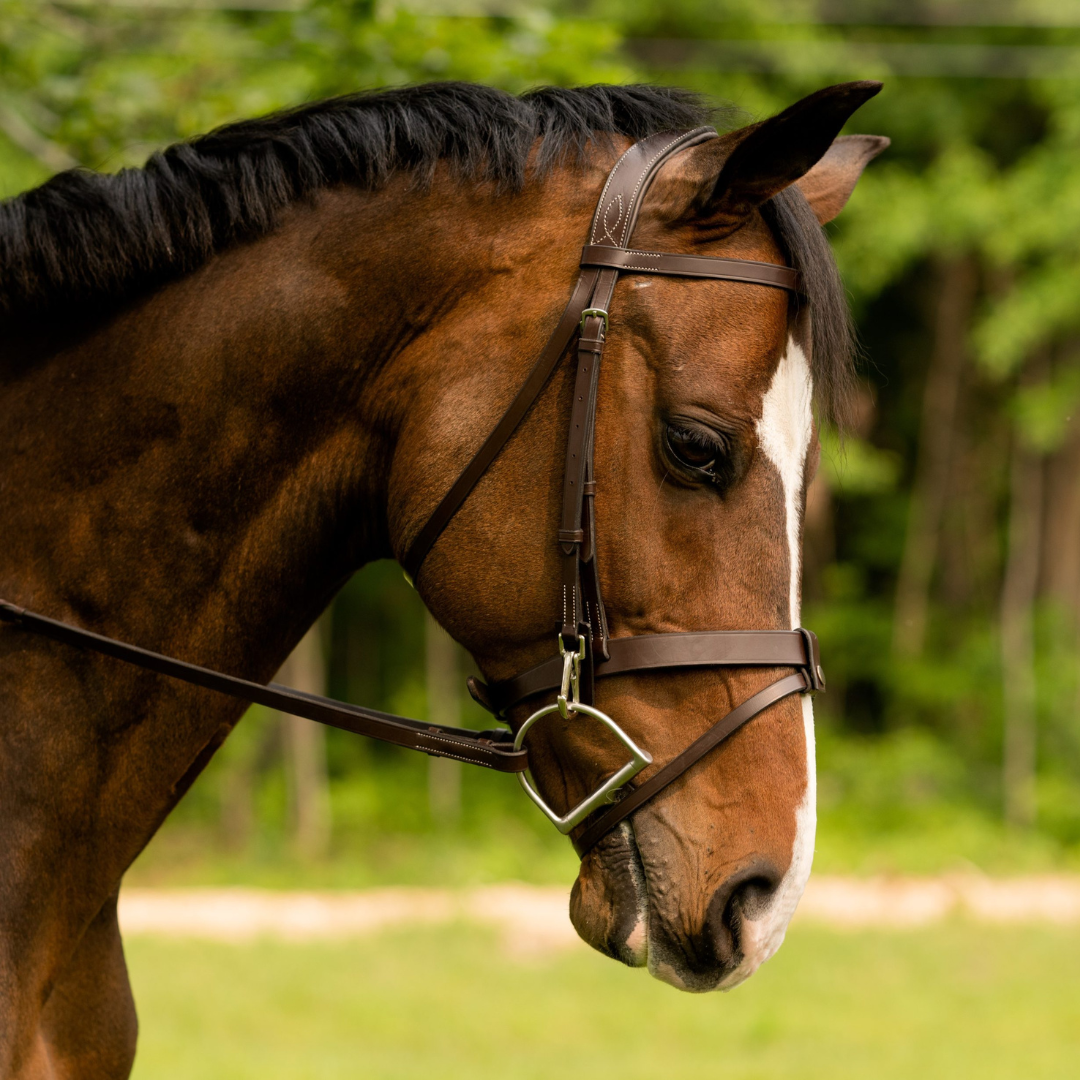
{"x": 443, "y": 681}
{"x": 304, "y": 745}
{"x": 103, "y": 84}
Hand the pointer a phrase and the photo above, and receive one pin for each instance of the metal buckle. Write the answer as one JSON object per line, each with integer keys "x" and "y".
{"x": 567, "y": 703}
{"x": 594, "y": 312}
{"x": 571, "y": 677}
{"x": 814, "y": 670}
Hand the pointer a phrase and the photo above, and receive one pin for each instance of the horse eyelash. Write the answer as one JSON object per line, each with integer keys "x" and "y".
{"x": 706, "y": 440}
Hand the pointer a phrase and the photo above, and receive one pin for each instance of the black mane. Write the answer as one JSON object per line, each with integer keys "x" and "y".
{"x": 83, "y": 237}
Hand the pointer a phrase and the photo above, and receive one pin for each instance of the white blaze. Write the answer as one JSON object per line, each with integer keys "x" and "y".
{"x": 784, "y": 433}
{"x": 784, "y": 436}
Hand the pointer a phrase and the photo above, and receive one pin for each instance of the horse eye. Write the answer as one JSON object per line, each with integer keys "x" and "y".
{"x": 694, "y": 448}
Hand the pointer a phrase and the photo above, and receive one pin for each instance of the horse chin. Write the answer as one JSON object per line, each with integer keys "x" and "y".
{"x": 609, "y": 904}
{"x": 609, "y": 907}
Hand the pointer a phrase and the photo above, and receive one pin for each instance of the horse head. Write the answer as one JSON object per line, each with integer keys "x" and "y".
{"x": 705, "y": 442}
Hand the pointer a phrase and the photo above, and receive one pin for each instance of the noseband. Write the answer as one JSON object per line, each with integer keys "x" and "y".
{"x": 586, "y": 652}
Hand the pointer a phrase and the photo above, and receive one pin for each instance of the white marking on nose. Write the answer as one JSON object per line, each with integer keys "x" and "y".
{"x": 784, "y": 433}
{"x": 760, "y": 938}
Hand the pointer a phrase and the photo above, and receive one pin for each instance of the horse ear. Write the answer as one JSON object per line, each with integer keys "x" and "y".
{"x": 774, "y": 154}
{"x": 829, "y": 184}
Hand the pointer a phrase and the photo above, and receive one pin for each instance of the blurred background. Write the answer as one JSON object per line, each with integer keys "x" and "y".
{"x": 942, "y": 536}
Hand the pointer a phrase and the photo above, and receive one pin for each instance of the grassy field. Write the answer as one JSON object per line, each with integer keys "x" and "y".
{"x": 955, "y": 1001}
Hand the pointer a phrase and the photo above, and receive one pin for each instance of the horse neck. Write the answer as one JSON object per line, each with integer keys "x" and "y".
{"x": 200, "y": 472}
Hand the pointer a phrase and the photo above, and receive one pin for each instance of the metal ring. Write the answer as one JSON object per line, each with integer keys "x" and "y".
{"x": 638, "y": 760}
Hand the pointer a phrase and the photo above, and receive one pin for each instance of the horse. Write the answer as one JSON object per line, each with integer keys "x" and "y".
{"x": 234, "y": 376}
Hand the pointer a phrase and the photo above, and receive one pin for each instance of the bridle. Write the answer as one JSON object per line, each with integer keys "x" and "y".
{"x": 585, "y": 650}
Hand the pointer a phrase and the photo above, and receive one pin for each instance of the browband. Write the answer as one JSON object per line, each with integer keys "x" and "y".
{"x": 671, "y": 264}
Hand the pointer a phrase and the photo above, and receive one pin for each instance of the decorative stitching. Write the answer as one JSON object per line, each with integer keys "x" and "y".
{"x": 496, "y": 754}
{"x": 646, "y": 172}
{"x": 456, "y": 757}
{"x": 607, "y": 184}
{"x": 641, "y": 179}
{"x": 607, "y": 228}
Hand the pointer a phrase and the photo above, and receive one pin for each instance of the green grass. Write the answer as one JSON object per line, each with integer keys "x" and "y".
{"x": 956, "y": 1001}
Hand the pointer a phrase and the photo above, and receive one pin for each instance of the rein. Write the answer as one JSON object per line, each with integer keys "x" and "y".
{"x": 586, "y": 652}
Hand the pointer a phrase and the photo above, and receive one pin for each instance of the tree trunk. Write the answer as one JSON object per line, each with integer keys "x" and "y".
{"x": 1060, "y": 571}
{"x": 238, "y": 806}
{"x": 956, "y": 291}
{"x": 444, "y": 707}
{"x": 1059, "y": 576}
{"x": 251, "y": 750}
{"x": 1018, "y": 634}
{"x": 305, "y": 751}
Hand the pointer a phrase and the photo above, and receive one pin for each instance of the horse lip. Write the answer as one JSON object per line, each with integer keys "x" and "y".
{"x": 609, "y": 904}
{"x": 637, "y": 941}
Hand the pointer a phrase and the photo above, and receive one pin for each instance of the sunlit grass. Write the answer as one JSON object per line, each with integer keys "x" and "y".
{"x": 954, "y": 1001}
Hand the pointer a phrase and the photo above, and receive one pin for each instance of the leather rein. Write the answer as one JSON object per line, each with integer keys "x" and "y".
{"x": 586, "y": 652}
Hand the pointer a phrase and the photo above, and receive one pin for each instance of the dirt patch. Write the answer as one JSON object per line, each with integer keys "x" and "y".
{"x": 534, "y": 920}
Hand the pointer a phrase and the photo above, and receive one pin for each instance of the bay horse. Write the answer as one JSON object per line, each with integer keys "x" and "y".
{"x": 233, "y": 377}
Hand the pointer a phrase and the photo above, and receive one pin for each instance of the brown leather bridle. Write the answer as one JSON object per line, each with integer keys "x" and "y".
{"x": 586, "y": 652}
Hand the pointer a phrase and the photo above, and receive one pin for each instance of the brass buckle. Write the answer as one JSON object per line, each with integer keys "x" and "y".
{"x": 592, "y": 312}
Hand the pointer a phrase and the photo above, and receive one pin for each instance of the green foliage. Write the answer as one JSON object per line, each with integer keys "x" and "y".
{"x": 104, "y": 85}
{"x": 1043, "y": 411}
{"x": 855, "y": 467}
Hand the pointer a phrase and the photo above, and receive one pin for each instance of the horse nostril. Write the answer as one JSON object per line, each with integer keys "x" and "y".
{"x": 745, "y": 895}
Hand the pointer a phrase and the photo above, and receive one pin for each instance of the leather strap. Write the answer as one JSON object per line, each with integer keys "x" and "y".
{"x": 613, "y": 222}
{"x": 578, "y": 468}
{"x": 636, "y": 797}
{"x": 470, "y": 476}
{"x": 695, "y": 266}
{"x": 491, "y": 749}
{"x": 650, "y": 652}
